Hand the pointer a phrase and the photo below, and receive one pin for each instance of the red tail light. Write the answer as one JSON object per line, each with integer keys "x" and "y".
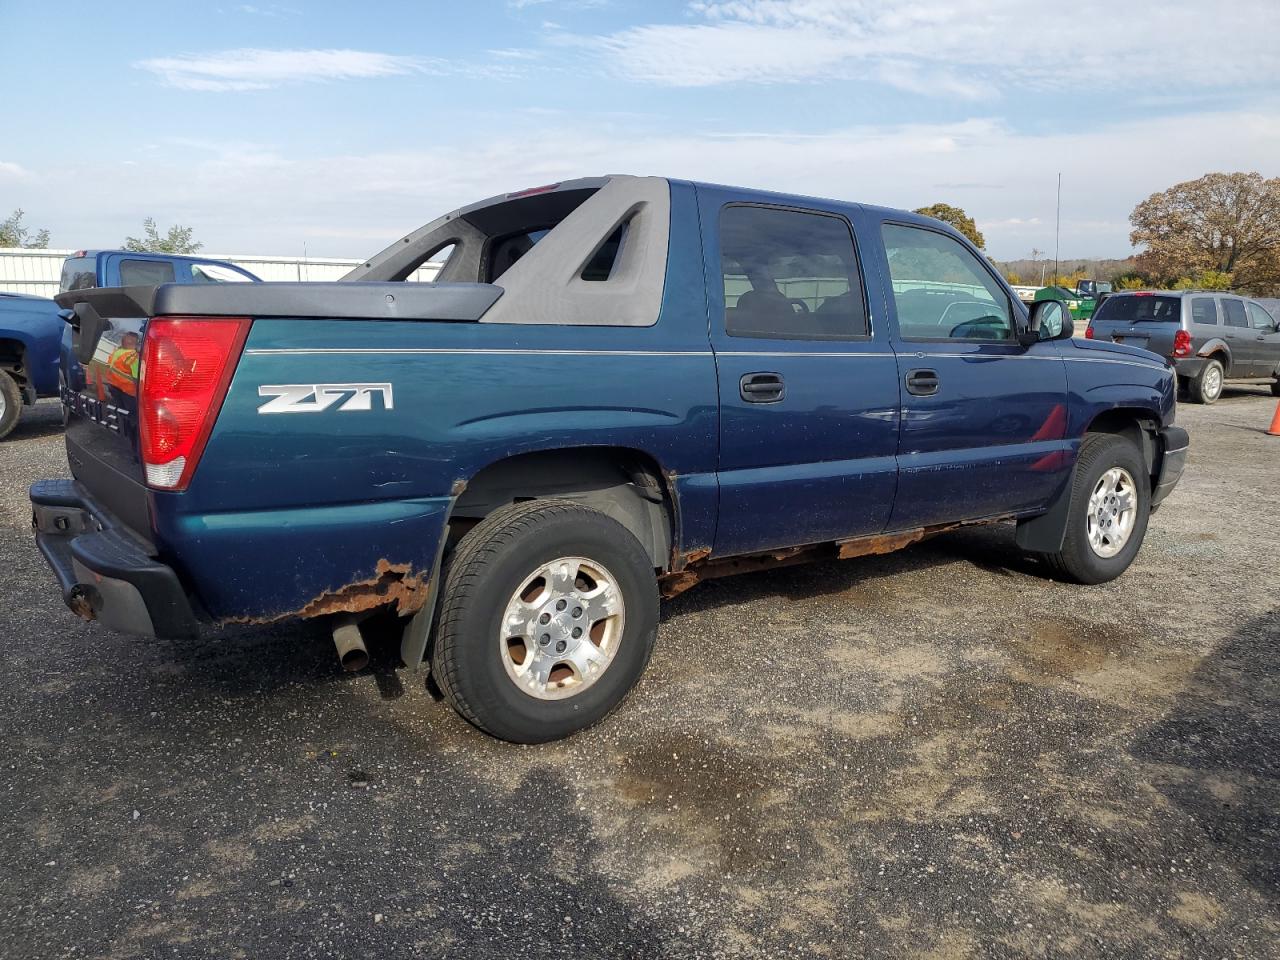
{"x": 187, "y": 363}
{"x": 1182, "y": 344}
{"x": 1088, "y": 332}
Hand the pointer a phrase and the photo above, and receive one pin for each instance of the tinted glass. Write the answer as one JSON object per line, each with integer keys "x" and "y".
{"x": 505, "y": 252}
{"x": 941, "y": 289}
{"x": 789, "y": 275}
{"x": 1233, "y": 311}
{"x": 145, "y": 273}
{"x": 1139, "y": 309}
{"x": 1259, "y": 319}
{"x": 79, "y": 273}
{"x": 1204, "y": 310}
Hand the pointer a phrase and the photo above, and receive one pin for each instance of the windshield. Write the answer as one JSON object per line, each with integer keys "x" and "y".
{"x": 1140, "y": 309}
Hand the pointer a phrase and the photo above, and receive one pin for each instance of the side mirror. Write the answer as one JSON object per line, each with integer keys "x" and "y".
{"x": 1049, "y": 320}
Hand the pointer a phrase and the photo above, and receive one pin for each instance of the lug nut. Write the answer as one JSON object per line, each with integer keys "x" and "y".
{"x": 545, "y": 618}
{"x": 577, "y": 632}
{"x": 560, "y": 604}
{"x": 560, "y": 646}
{"x": 544, "y": 639}
{"x": 577, "y": 612}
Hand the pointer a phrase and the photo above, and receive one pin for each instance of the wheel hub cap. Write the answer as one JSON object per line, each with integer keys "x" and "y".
{"x": 561, "y": 628}
{"x": 1112, "y": 512}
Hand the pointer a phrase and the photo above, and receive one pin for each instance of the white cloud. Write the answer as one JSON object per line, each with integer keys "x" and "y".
{"x": 251, "y": 69}
{"x": 13, "y": 171}
{"x": 957, "y": 48}
{"x": 261, "y": 198}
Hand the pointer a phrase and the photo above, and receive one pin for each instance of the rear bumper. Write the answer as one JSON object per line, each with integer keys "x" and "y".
{"x": 1174, "y": 443}
{"x": 1189, "y": 366}
{"x": 105, "y": 573}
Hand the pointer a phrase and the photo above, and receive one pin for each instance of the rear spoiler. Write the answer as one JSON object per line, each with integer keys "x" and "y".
{"x": 304, "y": 301}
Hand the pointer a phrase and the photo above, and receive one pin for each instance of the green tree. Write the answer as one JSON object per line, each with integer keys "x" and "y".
{"x": 14, "y": 234}
{"x": 177, "y": 240}
{"x": 958, "y": 219}
{"x": 1226, "y": 223}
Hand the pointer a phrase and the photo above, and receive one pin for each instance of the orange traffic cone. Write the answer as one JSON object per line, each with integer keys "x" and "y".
{"x": 1274, "y": 429}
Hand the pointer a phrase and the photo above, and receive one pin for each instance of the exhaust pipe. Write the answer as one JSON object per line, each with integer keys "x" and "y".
{"x": 351, "y": 650}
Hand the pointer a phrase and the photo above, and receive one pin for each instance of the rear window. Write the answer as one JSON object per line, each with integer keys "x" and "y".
{"x": 1121, "y": 309}
{"x": 79, "y": 273}
{"x": 145, "y": 273}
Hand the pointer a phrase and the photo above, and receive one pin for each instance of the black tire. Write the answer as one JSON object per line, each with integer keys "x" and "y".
{"x": 1077, "y": 561}
{"x": 1202, "y": 392}
{"x": 488, "y": 566}
{"x": 10, "y": 404}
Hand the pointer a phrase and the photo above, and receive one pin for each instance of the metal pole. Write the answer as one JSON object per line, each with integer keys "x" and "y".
{"x": 1057, "y": 230}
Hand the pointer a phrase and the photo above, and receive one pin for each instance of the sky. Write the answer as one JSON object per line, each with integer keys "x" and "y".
{"x": 332, "y": 129}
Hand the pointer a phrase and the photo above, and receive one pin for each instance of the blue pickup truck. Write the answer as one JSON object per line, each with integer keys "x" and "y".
{"x": 30, "y": 333}
{"x": 127, "y": 268}
{"x": 32, "y": 328}
{"x": 617, "y": 387}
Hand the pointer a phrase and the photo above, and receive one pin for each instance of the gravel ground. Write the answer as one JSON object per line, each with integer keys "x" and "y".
{"x": 936, "y": 753}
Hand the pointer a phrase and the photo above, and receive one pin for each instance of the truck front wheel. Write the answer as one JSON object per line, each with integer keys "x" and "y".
{"x": 1110, "y": 506}
{"x": 548, "y": 618}
{"x": 10, "y": 404}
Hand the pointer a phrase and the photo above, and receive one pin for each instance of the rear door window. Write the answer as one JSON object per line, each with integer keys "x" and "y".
{"x": 1140, "y": 309}
{"x": 1204, "y": 310}
{"x": 145, "y": 273}
{"x": 1233, "y": 310}
{"x": 1259, "y": 319}
{"x": 790, "y": 274}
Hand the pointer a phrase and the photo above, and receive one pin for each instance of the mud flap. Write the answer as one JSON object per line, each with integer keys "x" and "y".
{"x": 1045, "y": 533}
{"x": 413, "y": 642}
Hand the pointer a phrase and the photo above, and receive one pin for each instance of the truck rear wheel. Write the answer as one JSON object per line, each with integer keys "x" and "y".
{"x": 1110, "y": 506}
{"x": 10, "y": 404}
{"x": 548, "y": 618}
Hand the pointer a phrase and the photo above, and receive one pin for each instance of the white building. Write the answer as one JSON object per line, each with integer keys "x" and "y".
{"x": 38, "y": 271}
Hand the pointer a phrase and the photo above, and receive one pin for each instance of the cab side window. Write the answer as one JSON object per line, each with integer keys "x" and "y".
{"x": 790, "y": 275}
{"x": 941, "y": 290}
{"x": 145, "y": 273}
{"x": 1233, "y": 310}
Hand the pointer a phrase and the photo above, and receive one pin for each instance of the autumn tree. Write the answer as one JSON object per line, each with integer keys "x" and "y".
{"x": 177, "y": 240}
{"x": 14, "y": 234}
{"x": 1223, "y": 223}
{"x": 958, "y": 219}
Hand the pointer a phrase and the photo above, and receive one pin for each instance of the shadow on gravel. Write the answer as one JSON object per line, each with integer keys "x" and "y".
{"x": 42, "y": 420}
{"x": 1219, "y": 751}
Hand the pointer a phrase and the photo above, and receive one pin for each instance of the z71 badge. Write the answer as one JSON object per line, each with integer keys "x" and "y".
{"x": 316, "y": 397}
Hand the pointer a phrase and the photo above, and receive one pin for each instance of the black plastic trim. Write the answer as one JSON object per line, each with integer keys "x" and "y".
{"x": 74, "y": 534}
{"x": 340, "y": 300}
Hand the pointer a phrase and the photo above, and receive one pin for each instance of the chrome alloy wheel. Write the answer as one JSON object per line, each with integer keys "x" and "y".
{"x": 1113, "y": 508}
{"x": 561, "y": 628}
{"x": 4, "y": 403}
{"x": 1213, "y": 382}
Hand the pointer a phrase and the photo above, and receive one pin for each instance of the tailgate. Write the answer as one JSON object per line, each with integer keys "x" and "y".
{"x": 99, "y": 365}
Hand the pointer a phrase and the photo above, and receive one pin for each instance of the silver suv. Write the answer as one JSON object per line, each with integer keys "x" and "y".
{"x": 1209, "y": 337}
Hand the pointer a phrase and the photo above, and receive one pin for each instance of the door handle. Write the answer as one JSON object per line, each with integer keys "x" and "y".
{"x": 762, "y": 387}
{"x": 922, "y": 383}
